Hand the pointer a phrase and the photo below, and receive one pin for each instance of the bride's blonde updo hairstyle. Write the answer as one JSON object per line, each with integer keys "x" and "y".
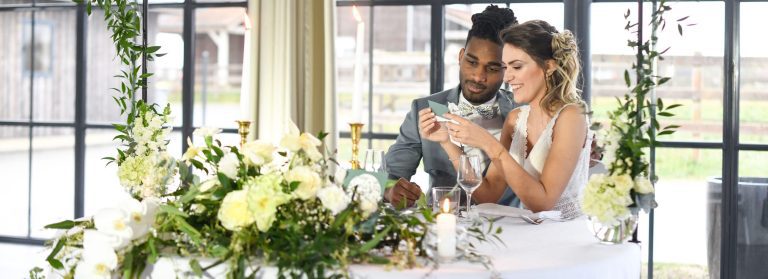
{"x": 543, "y": 42}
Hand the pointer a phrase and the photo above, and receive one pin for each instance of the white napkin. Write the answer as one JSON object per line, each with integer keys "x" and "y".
{"x": 492, "y": 209}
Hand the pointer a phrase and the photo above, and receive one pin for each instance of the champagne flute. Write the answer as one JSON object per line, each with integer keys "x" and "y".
{"x": 378, "y": 161}
{"x": 368, "y": 164}
{"x": 469, "y": 176}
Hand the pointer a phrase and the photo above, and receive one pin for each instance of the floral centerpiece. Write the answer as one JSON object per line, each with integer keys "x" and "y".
{"x": 615, "y": 198}
{"x": 237, "y": 207}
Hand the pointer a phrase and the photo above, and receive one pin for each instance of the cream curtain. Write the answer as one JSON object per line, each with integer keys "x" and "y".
{"x": 293, "y": 70}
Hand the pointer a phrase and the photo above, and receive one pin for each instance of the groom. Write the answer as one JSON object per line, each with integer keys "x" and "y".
{"x": 476, "y": 98}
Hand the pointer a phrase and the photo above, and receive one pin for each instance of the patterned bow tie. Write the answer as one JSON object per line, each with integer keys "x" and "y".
{"x": 466, "y": 109}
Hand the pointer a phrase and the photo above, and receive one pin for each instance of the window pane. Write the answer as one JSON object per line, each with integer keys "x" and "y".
{"x": 458, "y": 21}
{"x": 218, "y": 1}
{"x": 102, "y": 66}
{"x": 53, "y": 178}
{"x": 165, "y": 85}
{"x": 14, "y": 168}
{"x": 681, "y": 230}
{"x": 53, "y": 64}
{"x": 753, "y": 84}
{"x": 15, "y": 3}
{"x": 694, "y": 61}
{"x": 352, "y": 50}
{"x": 14, "y": 88}
{"x": 752, "y": 226}
{"x": 219, "y": 45}
{"x": 101, "y": 182}
{"x": 400, "y": 63}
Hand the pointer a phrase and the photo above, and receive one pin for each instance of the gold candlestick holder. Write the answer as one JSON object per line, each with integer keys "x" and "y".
{"x": 356, "y": 130}
{"x": 243, "y": 127}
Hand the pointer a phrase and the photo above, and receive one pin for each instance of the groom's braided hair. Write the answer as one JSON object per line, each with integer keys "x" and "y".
{"x": 488, "y": 24}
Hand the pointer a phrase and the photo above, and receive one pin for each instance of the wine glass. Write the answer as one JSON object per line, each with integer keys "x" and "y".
{"x": 469, "y": 176}
{"x": 374, "y": 160}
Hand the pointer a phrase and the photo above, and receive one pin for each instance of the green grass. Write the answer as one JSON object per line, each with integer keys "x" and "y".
{"x": 663, "y": 270}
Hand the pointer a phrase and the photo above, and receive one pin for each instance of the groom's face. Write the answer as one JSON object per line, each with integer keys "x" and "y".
{"x": 480, "y": 70}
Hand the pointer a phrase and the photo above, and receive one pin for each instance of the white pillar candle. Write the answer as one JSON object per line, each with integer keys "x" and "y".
{"x": 246, "y": 112}
{"x": 446, "y": 232}
{"x": 357, "y": 90}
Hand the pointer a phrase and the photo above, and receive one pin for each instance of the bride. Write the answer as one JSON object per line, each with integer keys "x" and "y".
{"x": 543, "y": 153}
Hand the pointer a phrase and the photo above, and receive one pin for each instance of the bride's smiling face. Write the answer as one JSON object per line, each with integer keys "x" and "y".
{"x": 524, "y": 76}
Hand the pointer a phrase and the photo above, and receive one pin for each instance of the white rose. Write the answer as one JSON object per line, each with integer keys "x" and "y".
{"x": 257, "y": 152}
{"x": 643, "y": 185}
{"x": 229, "y": 165}
{"x": 333, "y": 198}
{"x": 234, "y": 213}
{"x": 310, "y": 181}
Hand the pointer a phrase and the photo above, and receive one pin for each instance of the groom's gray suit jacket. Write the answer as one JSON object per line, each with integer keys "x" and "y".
{"x": 403, "y": 157}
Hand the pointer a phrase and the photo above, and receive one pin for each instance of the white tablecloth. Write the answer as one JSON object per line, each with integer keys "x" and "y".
{"x": 549, "y": 250}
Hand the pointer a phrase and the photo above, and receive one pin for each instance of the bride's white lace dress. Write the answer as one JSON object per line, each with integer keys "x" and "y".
{"x": 533, "y": 163}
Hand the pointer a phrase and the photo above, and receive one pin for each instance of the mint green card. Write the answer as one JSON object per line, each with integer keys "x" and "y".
{"x": 437, "y": 108}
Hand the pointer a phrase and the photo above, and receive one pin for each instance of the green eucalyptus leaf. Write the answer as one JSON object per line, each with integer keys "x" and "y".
{"x": 63, "y": 225}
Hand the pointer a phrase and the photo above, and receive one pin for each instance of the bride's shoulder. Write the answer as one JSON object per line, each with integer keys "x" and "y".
{"x": 513, "y": 114}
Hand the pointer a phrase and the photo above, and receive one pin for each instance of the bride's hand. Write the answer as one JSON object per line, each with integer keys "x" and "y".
{"x": 467, "y": 132}
{"x": 429, "y": 128}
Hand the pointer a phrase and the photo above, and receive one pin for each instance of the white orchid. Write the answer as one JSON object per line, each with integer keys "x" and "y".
{"x": 141, "y": 215}
{"x": 116, "y": 222}
{"x": 96, "y": 239}
{"x": 98, "y": 262}
{"x": 206, "y": 132}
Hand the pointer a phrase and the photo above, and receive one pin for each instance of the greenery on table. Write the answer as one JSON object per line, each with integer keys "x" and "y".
{"x": 245, "y": 207}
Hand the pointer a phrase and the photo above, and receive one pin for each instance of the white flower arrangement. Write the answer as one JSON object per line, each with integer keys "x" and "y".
{"x": 632, "y": 130}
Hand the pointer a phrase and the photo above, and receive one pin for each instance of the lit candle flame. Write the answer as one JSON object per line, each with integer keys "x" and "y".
{"x": 446, "y": 205}
{"x": 356, "y": 14}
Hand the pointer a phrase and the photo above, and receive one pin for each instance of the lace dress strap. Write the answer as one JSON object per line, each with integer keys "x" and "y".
{"x": 551, "y": 125}
{"x": 519, "y": 137}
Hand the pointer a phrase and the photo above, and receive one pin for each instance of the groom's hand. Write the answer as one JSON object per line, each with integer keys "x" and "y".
{"x": 403, "y": 194}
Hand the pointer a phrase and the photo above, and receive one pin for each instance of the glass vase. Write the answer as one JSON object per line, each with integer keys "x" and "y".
{"x": 614, "y": 234}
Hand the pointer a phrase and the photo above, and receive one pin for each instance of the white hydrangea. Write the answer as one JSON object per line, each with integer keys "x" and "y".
{"x": 368, "y": 192}
{"x": 147, "y": 175}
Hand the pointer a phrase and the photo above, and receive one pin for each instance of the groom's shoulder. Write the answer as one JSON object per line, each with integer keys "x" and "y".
{"x": 440, "y": 97}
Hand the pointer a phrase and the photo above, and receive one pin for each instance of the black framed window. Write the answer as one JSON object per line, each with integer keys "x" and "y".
{"x": 702, "y": 65}
{"x": 57, "y": 108}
